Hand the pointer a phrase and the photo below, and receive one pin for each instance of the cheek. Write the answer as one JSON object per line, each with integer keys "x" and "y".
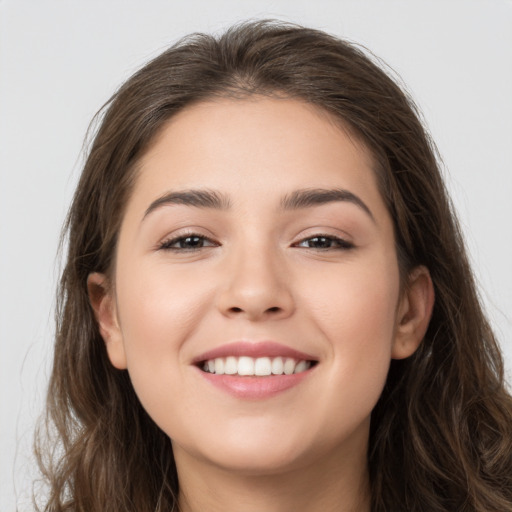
{"x": 158, "y": 311}
{"x": 159, "y": 304}
{"x": 357, "y": 302}
{"x": 357, "y": 315}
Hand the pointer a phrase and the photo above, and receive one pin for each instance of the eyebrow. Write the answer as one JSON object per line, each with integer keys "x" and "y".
{"x": 198, "y": 198}
{"x": 307, "y": 198}
{"x": 298, "y": 199}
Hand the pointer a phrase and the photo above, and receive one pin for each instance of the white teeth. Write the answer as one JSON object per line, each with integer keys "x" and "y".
{"x": 246, "y": 366}
{"x": 277, "y": 366}
{"x": 301, "y": 366}
{"x": 289, "y": 366}
{"x": 231, "y": 366}
{"x": 219, "y": 366}
{"x": 260, "y": 366}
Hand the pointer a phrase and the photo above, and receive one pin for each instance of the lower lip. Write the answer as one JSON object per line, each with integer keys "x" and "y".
{"x": 255, "y": 388}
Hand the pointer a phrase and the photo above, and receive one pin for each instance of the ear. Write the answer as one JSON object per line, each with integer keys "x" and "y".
{"x": 413, "y": 313}
{"x": 104, "y": 306}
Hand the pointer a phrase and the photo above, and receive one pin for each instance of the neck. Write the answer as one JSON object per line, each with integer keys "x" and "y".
{"x": 312, "y": 488}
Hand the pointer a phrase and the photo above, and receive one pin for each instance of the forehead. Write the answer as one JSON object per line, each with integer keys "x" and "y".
{"x": 256, "y": 147}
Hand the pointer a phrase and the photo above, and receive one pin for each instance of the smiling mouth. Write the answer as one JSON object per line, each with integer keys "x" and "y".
{"x": 255, "y": 366}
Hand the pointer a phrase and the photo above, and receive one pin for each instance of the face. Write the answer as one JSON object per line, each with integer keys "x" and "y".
{"x": 256, "y": 301}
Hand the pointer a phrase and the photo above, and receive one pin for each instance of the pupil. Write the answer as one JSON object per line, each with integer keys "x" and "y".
{"x": 321, "y": 242}
{"x": 191, "y": 241}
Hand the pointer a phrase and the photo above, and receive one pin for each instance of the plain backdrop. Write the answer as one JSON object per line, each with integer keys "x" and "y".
{"x": 61, "y": 60}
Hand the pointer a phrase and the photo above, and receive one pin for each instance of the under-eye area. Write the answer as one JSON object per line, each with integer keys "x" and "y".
{"x": 256, "y": 366}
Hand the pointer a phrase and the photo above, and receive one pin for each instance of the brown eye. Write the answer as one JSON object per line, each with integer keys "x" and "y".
{"x": 187, "y": 243}
{"x": 323, "y": 242}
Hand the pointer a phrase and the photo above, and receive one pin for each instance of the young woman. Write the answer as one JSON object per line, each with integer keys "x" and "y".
{"x": 267, "y": 303}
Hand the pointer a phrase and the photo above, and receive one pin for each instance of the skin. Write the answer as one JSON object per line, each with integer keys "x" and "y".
{"x": 261, "y": 275}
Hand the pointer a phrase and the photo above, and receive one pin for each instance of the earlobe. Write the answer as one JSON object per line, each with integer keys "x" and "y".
{"x": 413, "y": 314}
{"x": 103, "y": 303}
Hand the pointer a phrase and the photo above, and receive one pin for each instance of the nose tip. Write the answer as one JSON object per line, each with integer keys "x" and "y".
{"x": 261, "y": 292}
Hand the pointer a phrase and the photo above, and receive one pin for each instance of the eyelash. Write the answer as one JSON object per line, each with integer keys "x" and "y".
{"x": 167, "y": 245}
{"x": 338, "y": 243}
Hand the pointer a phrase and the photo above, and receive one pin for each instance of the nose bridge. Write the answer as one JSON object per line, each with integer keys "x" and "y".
{"x": 256, "y": 284}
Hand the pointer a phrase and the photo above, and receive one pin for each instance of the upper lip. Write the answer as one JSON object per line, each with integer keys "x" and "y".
{"x": 253, "y": 349}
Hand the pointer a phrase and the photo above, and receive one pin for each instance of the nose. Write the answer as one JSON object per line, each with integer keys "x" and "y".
{"x": 256, "y": 287}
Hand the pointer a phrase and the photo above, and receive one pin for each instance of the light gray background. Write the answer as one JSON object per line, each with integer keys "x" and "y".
{"x": 60, "y": 60}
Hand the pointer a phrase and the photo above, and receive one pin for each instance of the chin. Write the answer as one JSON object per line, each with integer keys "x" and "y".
{"x": 257, "y": 460}
{"x": 254, "y": 450}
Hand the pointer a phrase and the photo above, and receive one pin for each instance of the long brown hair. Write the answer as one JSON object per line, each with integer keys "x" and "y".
{"x": 441, "y": 433}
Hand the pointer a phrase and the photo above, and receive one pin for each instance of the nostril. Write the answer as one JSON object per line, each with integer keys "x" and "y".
{"x": 274, "y": 309}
